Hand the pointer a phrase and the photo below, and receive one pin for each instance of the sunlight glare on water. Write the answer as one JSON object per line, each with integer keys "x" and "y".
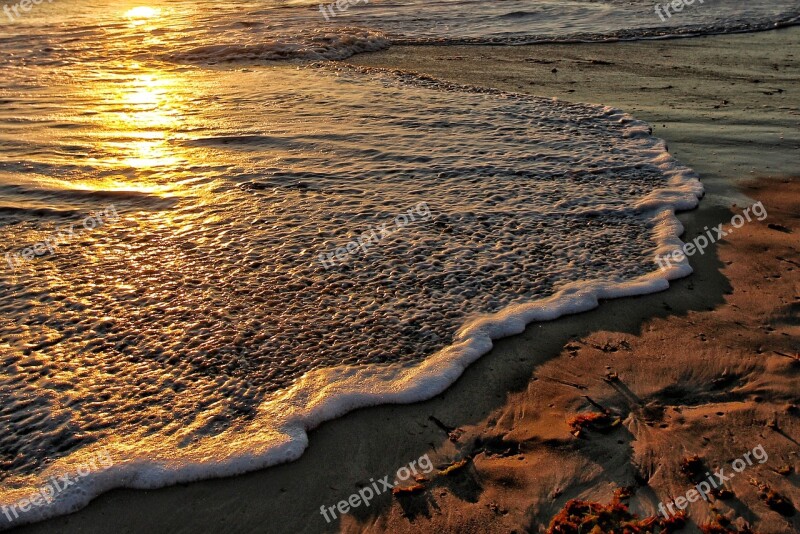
{"x": 198, "y": 333}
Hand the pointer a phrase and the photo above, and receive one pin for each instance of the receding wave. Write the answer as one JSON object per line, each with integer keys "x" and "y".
{"x": 238, "y": 297}
{"x": 43, "y": 197}
{"x": 661, "y": 32}
{"x": 207, "y": 337}
{"x": 30, "y": 209}
{"x": 325, "y": 31}
{"x": 321, "y": 45}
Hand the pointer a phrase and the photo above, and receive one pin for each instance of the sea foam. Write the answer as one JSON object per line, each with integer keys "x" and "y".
{"x": 198, "y": 336}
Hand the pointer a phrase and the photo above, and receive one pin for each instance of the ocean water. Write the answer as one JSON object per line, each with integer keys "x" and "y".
{"x": 189, "y": 176}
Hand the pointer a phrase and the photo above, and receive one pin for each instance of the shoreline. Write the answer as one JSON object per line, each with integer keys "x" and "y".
{"x": 244, "y": 495}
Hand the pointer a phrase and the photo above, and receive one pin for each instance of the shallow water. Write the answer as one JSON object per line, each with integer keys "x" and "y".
{"x": 204, "y": 322}
{"x": 64, "y": 32}
{"x": 186, "y": 317}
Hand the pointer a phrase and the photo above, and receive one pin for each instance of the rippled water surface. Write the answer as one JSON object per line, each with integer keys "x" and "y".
{"x": 191, "y": 31}
{"x": 191, "y": 329}
{"x": 205, "y": 297}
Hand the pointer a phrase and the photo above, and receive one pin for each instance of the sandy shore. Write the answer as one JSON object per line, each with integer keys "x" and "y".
{"x": 706, "y": 368}
{"x": 713, "y": 381}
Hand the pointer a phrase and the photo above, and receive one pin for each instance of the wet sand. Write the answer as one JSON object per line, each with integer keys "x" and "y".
{"x": 713, "y": 381}
{"x": 706, "y": 368}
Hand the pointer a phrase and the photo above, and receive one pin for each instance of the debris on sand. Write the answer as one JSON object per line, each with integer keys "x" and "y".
{"x": 585, "y": 516}
{"x": 452, "y": 468}
{"x": 773, "y": 499}
{"x": 600, "y": 422}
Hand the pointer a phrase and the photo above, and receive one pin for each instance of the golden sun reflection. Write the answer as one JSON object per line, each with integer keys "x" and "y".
{"x": 147, "y": 154}
{"x": 141, "y": 14}
{"x": 143, "y": 111}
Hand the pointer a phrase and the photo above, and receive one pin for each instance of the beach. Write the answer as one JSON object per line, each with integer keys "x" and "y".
{"x": 707, "y": 368}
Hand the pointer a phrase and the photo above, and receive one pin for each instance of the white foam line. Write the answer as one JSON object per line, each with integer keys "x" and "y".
{"x": 280, "y": 436}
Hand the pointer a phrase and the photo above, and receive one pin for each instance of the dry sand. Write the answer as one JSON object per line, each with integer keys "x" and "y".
{"x": 706, "y": 368}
